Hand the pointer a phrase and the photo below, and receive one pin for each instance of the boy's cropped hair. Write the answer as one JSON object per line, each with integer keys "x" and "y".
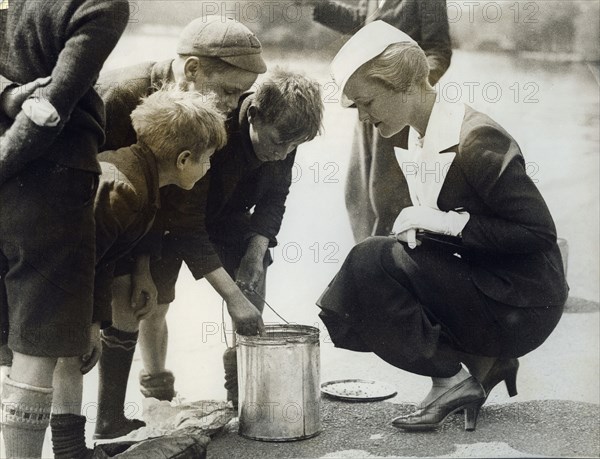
{"x": 292, "y": 103}
{"x": 171, "y": 120}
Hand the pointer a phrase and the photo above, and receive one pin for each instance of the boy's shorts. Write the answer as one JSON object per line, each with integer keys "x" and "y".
{"x": 175, "y": 250}
{"x": 47, "y": 257}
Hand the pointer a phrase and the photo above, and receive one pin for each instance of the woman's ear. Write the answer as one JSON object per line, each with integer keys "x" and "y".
{"x": 183, "y": 159}
{"x": 191, "y": 67}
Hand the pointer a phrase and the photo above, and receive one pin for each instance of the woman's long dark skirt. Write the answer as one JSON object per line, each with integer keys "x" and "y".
{"x": 415, "y": 308}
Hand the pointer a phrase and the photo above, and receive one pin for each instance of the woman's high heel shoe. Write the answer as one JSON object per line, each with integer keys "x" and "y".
{"x": 502, "y": 370}
{"x": 467, "y": 395}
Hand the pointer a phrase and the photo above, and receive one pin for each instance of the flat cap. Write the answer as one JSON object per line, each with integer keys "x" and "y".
{"x": 225, "y": 38}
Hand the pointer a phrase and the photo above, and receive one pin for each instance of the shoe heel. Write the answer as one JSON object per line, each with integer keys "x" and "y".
{"x": 471, "y": 414}
{"x": 511, "y": 384}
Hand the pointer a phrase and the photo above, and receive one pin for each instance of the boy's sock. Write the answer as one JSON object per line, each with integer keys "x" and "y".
{"x": 231, "y": 375}
{"x": 160, "y": 385}
{"x": 114, "y": 366}
{"x": 25, "y": 417}
{"x": 68, "y": 437}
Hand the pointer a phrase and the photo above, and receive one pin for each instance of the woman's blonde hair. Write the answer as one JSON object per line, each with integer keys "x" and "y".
{"x": 401, "y": 66}
{"x": 171, "y": 120}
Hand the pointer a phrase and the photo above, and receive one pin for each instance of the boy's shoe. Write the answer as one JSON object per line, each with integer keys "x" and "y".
{"x": 117, "y": 429}
{"x": 160, "y": 386}
{"x": 231, "y": 376}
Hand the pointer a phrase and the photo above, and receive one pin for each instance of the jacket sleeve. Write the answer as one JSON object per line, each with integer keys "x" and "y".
{"x": 519, "y": 220}
{"x": 435, "y": 37}
{"x": 93, "y": 32}
{"x": 268, "y": 212}
{"x": 115, "y": 207}
{"x": 342, "y": 18}
{"x": 183, "y": 214}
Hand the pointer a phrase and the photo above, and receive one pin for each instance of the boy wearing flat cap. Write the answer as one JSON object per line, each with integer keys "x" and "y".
{"x": 240, "y": 208}
{"x": 214, "y": 55}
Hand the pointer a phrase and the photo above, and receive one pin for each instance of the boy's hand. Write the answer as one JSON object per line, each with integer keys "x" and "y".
{"x": 246, "y": 318}
{"x": 12, "y": 98}
{"x": 89, "y": 359}
{"x": 250, "y": 272}
{"x": 143, "y": 289}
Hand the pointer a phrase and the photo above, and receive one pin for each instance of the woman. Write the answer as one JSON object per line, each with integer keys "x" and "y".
{"x": 473, "y": 274}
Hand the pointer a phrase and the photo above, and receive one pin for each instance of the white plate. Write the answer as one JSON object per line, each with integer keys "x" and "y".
{"x": 358, "y": 390}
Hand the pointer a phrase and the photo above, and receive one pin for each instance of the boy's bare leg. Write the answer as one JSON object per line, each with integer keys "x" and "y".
{"x": 154, "y": 337}
{"x": 67, "y": 423}
{"x": 155, "y": 380}
{"x": 26, "y": 404}
{"x": 118, "y": 347}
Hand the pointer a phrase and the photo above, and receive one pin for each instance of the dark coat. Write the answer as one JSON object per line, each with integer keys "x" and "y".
{"x": 124, "y": 209}
{"x": 510, "y": 238}
{"x": 68, "y": 40}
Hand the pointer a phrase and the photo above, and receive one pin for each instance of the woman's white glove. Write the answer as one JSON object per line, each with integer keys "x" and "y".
{"x": 415, "y": 218}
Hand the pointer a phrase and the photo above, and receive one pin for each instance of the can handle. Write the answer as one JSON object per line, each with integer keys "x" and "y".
{"x": 246, "y": 289}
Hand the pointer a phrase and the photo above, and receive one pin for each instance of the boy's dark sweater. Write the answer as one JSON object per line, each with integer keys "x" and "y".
{"x": 69, "y": 40}
{"x": 218, "y": 208}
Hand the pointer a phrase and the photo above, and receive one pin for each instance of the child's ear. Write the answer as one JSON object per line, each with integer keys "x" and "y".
{"x": 183, "y": 159}
{"x": 191, "y": 67}
{"x": 252, "y": 113}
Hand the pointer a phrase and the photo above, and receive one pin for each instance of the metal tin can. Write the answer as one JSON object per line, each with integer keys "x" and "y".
{"x": 278, "y": 373}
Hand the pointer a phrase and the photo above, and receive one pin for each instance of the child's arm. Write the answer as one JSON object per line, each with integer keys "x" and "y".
{"x": 95, "y": 32}
{"x": 246, "y": 318}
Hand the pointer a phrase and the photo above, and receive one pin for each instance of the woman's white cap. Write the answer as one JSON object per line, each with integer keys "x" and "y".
{"x": 364, "y": 45}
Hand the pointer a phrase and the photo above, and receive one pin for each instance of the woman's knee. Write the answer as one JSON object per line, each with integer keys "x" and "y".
{"x": 367, "y": 254}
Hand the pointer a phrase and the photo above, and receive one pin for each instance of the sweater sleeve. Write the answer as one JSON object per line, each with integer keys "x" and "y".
{"x": 92, "y": 33}
{"x": 520, "y": 221}
{"x": 268, "y": 212}
{"x": 342, "y": 18}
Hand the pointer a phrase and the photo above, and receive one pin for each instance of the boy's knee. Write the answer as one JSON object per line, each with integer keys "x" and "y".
{"x": 158, "y": 316}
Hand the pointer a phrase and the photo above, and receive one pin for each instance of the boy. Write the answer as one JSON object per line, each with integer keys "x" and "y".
{"x": 48, "y": 177}
{"x": 214, "y": 54}
{"x": 254, "y": 171}
{"x": 128, "y": 199}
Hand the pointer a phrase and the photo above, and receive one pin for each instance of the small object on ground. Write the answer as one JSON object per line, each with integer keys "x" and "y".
{"x": 358, "y": 390}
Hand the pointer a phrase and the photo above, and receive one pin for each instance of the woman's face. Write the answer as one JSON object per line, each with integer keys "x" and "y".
{"x": 384, "y": 108}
